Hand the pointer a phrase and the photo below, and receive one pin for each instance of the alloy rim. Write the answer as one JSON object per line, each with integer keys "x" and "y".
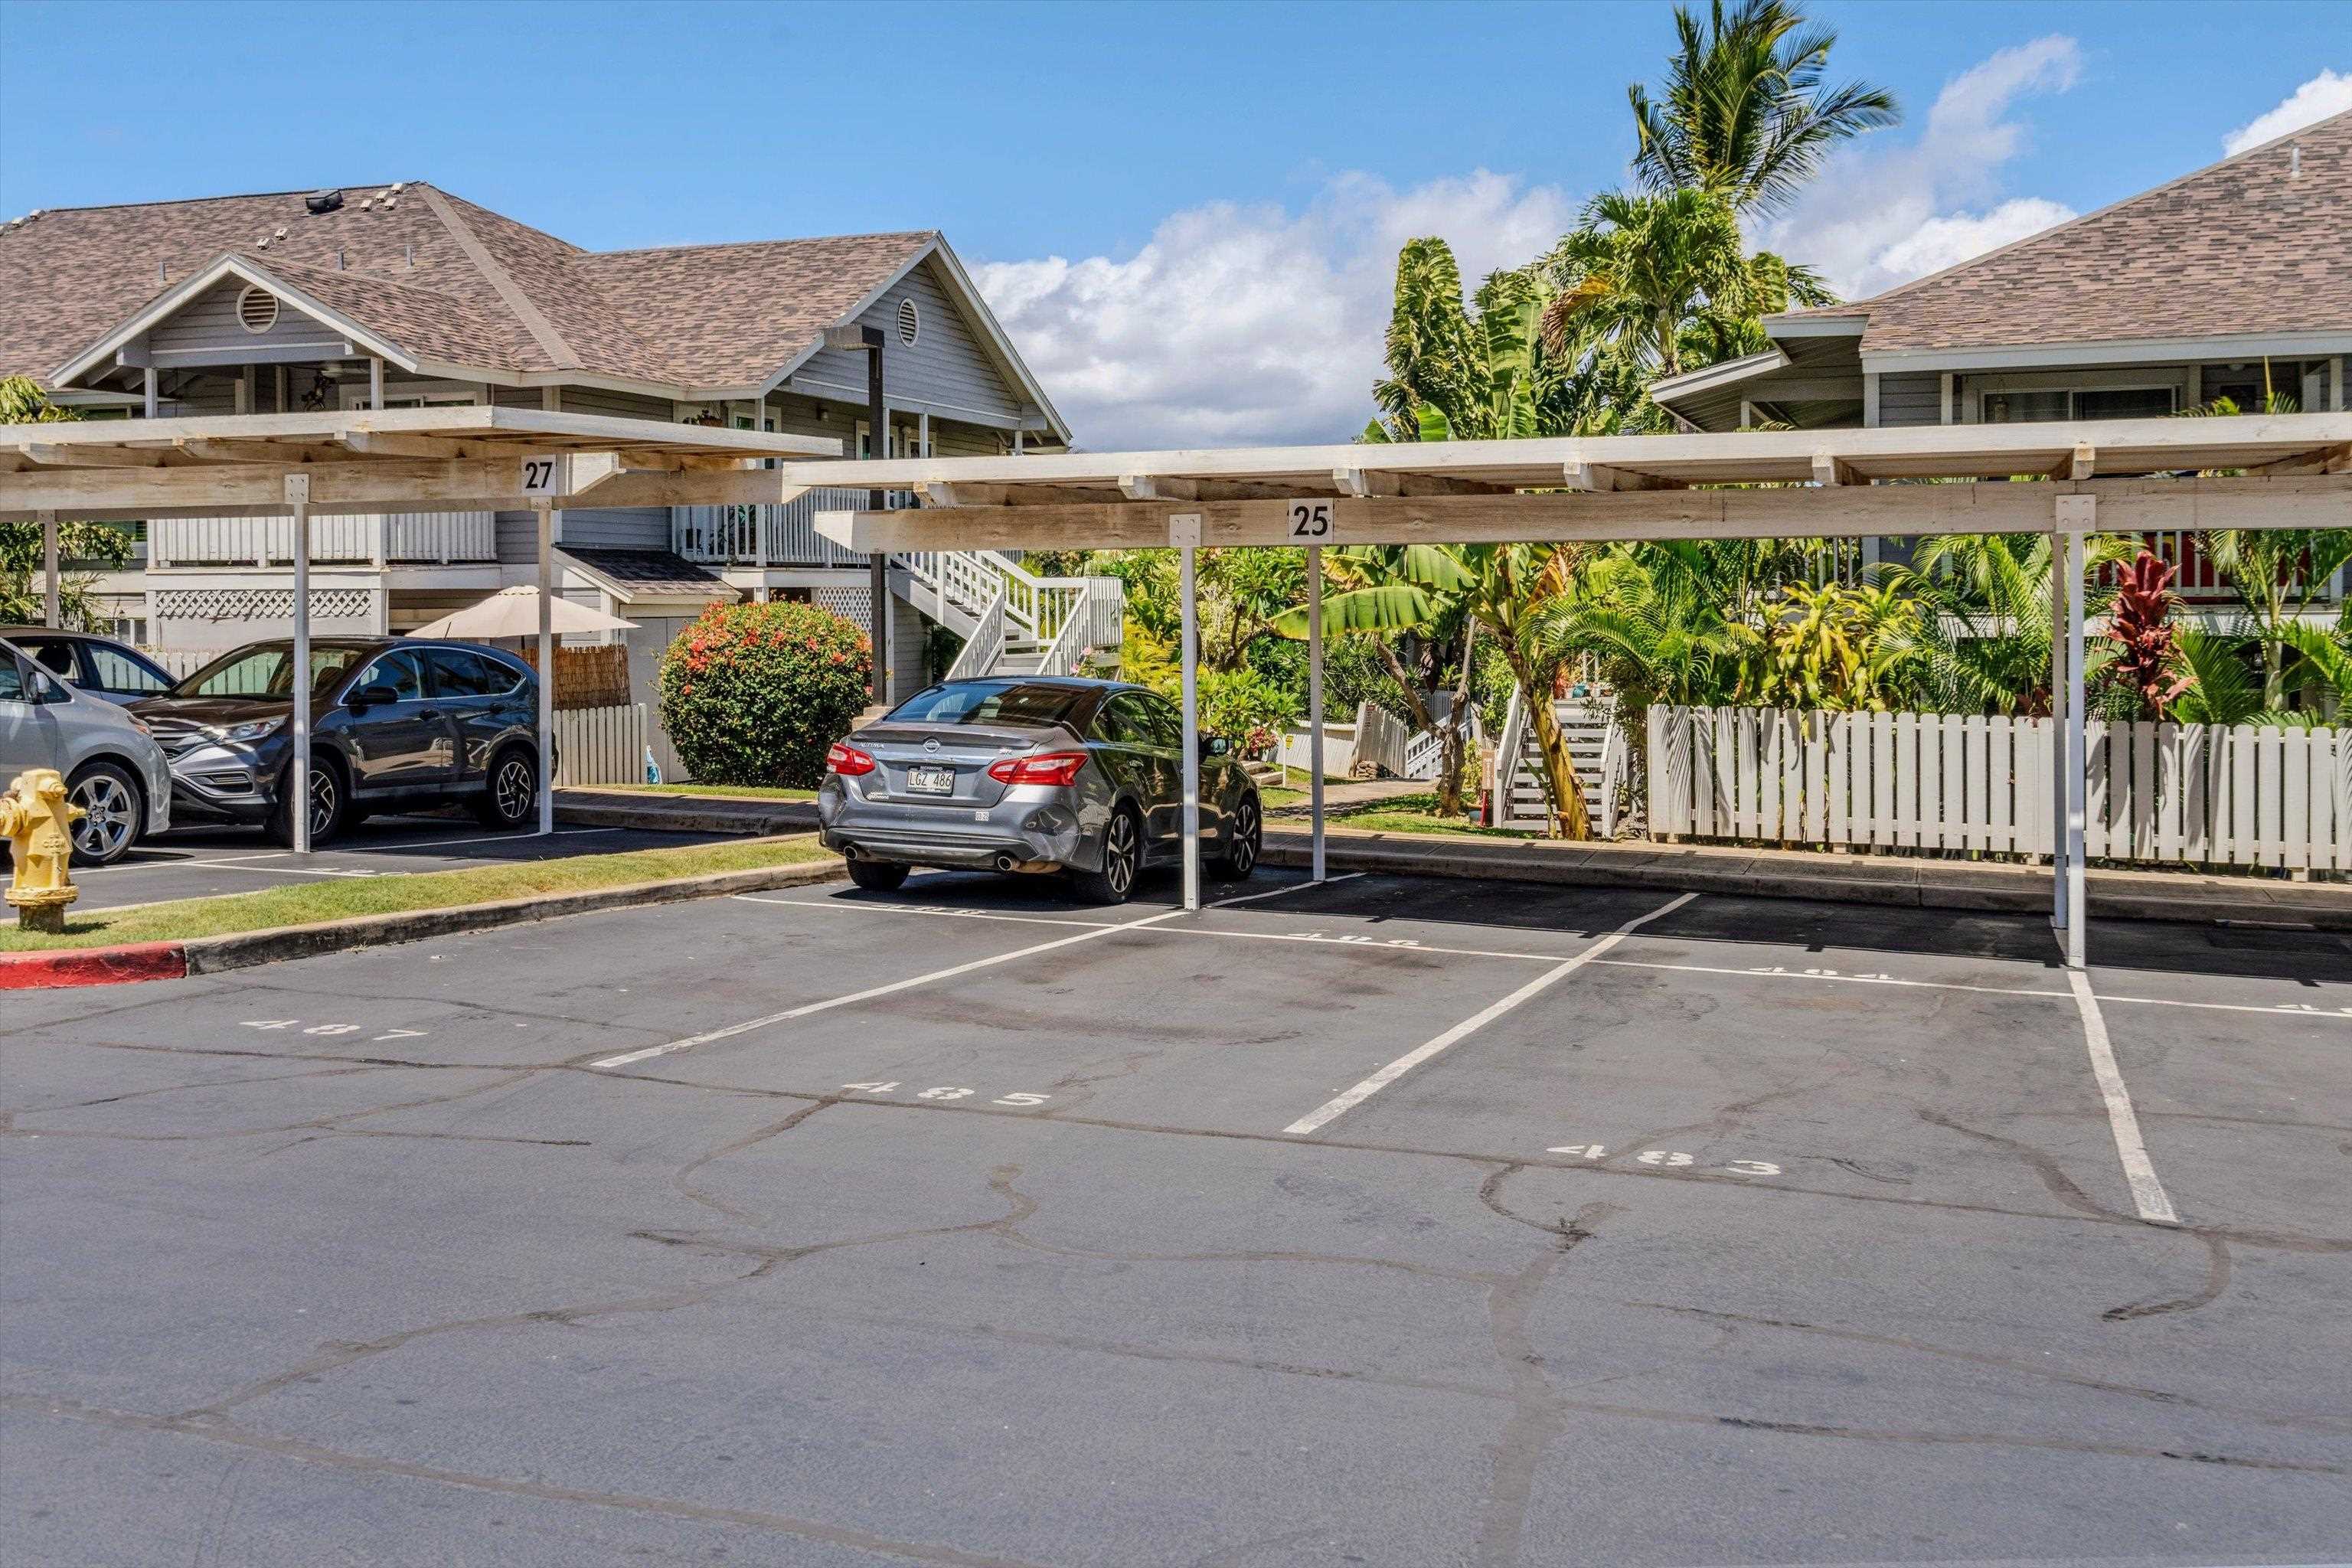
{"x": 515, "y": 789}
{"x": 1118, "y": 865}
{"x": 1245, "y": 853}
{"x": 107, "y": 829}
{"x": 322, "y": 800}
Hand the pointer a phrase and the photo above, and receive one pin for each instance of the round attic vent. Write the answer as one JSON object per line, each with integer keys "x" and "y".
{"x": 910, "y": 322}
{"x": 256, "y": 309}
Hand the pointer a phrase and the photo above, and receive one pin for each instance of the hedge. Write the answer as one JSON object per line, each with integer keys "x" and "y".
{"x": 754, "y": 694}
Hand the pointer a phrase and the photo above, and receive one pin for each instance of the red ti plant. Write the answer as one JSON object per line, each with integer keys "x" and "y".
{"x": 2140, "y": 620}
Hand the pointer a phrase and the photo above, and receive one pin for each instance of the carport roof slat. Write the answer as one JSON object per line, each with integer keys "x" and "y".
{"x": 1753, "y": 456}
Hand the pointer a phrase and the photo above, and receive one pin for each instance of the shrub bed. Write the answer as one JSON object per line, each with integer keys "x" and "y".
{"x": 754, "y": 694}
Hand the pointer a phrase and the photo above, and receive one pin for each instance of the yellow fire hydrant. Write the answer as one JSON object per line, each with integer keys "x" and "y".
{"x": 38, "y": 820}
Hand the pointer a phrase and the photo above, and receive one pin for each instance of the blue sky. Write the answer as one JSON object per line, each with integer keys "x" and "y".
{"x": 1185, "y": 213}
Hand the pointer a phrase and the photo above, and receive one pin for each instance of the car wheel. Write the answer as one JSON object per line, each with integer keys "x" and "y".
{"x": 877, "y": 875}
{"x": 511, "y": 799}
{"x": 1238, "y": 858}
{"x": 110, "y": 797}
{"x": 1122, "y": 856}
{"x": 329, "y": 803}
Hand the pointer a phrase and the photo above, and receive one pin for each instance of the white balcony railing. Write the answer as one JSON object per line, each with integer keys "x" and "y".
{"x": 407, "y": 538}
{"x": 735, "y": 535}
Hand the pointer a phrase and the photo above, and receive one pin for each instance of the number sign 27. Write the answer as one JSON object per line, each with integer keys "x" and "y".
{"x": 1310, "y": 521}
{"x": 541, "y": 476}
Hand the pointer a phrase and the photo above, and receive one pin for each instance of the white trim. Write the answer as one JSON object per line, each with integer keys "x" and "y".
{"x": 1706, "y": 378}
{"x": 2113, "y": 350}
{"x": 352, "y": 396}
{"x": 1850, "y": 325}
{"x": 172, "y": 301}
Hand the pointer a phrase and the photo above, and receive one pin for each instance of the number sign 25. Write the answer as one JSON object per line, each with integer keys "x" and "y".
{"x": 543, "y": 476}
{"x": 1310, "y": 521}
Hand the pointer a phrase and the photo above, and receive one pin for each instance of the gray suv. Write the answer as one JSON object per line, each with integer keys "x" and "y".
{"x": 1032, "y": 774}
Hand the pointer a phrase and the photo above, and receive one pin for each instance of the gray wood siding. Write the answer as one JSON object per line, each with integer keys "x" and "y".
{"x": 617, "y": 528}
{"x": 947, "y": 366}
{"x": 205, "y": 330}
{"x": 1911, "y": 398}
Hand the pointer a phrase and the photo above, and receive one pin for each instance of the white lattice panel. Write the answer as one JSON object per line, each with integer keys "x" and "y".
{"x": 260, "y": 603}
{"x": 854, "y": 605}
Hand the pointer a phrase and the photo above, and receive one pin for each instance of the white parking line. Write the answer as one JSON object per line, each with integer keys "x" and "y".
{"x": 2148, "y": 1193}
{"x": 949, "y": 974}
{"x": 1404, "y": 1064}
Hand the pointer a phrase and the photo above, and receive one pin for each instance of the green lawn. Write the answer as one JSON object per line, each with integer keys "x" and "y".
{"x": 1413, "y": 814}
{"x": 339, "y": 897}
{"x": 725, "y": 791}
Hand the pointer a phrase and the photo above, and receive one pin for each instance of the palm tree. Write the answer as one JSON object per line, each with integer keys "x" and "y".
{"x": 1653, "y": 616}
{"x": 1661, "y": 283}
{"x": 1454, "y": 374}
{"x": 1982, "y": 640}
{"x": 1501, "y": 587}
{"x": 1745, "y": 117}
{"x": 1393, "y": 590}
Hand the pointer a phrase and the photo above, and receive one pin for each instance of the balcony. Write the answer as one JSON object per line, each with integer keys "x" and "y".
{"x": 782, "y": 535}
{"x": 370, "y": 538}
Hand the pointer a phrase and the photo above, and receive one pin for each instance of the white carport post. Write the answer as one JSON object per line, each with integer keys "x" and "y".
{"x": 546, "y": 520}
{"x": 1315, "y": 699}
{"x": 2069, "y": 755}
{"x": 297, "y": 807}
{"x": 1184, "y": 533}
{"x": 52, "y": 610}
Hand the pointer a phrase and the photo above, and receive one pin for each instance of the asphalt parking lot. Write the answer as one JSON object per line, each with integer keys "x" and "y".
{"x": 200, "y": 861}
{"x": 1387, "y": 1222}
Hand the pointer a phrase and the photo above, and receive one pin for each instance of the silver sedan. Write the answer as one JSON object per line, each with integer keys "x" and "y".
{"x": 1032, "y": 774}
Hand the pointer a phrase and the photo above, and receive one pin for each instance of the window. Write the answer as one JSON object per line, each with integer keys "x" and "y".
{"x": 400, "y": 670}
{"x": 1117, "y": 725}
{"x": 54, "y": 655}
{"x": 457, "y": 673}
{"x": 2126, "y": 402}
{"x": 2023, "y": 407}
{"x": 1018, "y": 705}
{"x": 111, "y": 669}
{"x": 2030, "y": 405}
{"x": 1161, "y": 721}
{"x": 12, "y": 681}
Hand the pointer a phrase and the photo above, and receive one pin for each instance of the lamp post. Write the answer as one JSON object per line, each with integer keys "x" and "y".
{"x": 855, "y": 338}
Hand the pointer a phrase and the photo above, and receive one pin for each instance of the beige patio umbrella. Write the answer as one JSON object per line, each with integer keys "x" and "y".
{"x": 514, "y": 613}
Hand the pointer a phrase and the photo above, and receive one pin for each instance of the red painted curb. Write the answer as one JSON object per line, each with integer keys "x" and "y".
{"x": 93, "y": 966}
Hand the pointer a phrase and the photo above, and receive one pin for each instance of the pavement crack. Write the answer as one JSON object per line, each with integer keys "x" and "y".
{"x": 2217, "y": 1279}
{"x": 734, "y": 1146}
{"x": 304, "y": 1452}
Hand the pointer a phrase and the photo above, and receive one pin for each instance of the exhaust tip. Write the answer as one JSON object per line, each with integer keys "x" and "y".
{"x": 1005, "y": 862}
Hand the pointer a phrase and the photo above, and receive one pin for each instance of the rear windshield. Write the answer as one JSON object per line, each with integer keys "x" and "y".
{"x": 1014, "y": 704}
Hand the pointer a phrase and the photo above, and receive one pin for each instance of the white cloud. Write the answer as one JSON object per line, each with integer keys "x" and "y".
{"x": 1881, "y": 216}
{"x": 2325, "y": 94}
{"x": 1240, "y": 325}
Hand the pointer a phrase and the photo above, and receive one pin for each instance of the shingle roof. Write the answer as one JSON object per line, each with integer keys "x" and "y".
{"x": 650, "y": 573}
{"x": 445, "y": 279}
{"x": 2258, "y": 243}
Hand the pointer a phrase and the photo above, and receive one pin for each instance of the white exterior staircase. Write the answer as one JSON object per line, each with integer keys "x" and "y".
{"x": 1597, "y": 747}
{"x": 1013, "y": 621}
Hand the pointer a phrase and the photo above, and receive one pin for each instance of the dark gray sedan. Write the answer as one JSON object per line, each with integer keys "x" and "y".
{"x": 1032, "y": 774}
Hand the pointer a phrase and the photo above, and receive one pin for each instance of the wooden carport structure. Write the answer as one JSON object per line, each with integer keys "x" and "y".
{"x": 2140, "y": 476}
{"x": 415, "y": 459}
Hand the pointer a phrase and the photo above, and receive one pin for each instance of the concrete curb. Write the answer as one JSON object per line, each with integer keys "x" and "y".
{"x": 207, "y": 955}
{"x": 689, "y": 814}
{"x": 1913, "y": 885}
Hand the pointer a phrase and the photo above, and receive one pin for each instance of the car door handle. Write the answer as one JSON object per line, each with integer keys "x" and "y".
{"x": 428, "y": 713}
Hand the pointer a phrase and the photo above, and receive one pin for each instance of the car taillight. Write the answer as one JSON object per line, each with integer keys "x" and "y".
{"x": 1045, "y": 768}
{"x": 843, "y": 758}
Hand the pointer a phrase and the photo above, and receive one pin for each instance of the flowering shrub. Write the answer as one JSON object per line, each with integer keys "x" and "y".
{"x": 754, "y": 694}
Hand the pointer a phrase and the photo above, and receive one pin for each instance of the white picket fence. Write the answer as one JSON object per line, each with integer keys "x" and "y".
{"x": 2168, "y": 792}
{"x": 600, "y": 745}
{"x": 1375, "y": 739}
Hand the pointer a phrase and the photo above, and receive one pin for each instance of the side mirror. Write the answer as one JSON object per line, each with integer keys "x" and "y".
{"x": 47, "y": 688}
{"x": 373, "y": 696}
{"x": 1215, "y": 746}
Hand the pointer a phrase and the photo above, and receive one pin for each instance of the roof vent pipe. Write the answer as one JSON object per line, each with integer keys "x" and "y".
{"x": 2294, "y": 161}
{"x": 162, "y": 272}
{"x": 411, "y": 252}
{"x": 318, "y": 202}
{"x": 339, "y": 259}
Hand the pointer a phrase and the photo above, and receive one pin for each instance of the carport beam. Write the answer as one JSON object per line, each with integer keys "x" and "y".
{"x": 546, "y": 667}
{"x": 1315, "y": 699}
{"x": 1190, "y": 656}
{"x": 298, "y": 806}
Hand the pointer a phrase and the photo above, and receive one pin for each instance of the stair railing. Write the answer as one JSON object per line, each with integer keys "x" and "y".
{"x": 985, "y": 646}
{"x": 1509, "y": 758}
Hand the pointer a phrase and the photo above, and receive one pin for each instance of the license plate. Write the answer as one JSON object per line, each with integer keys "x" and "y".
{"x": 930, "y": 781}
